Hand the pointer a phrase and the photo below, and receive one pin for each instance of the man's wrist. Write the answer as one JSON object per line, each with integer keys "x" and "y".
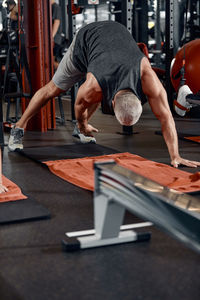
{"x": 81, "y": 125}
{"x": 175, "y": 156}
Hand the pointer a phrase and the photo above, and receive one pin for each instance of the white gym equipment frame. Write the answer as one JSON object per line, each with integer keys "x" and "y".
{"x": 118, "y": 189}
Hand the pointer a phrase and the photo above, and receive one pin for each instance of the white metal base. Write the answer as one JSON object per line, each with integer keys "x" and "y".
{"x": 89, "y": 239}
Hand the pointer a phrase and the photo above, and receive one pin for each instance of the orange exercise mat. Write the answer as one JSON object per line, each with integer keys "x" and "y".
{"x": 193, "y": 138}
{"x": 14, "y": 192}
{"x": 80, "y": 171}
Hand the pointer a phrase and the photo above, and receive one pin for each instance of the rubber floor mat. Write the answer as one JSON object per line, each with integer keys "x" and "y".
{"x": 195, "y": 139}
{"x": 16, "y": 207}
{"x": 184, "y": 136}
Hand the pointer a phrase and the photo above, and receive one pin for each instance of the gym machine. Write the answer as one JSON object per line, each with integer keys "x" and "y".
{"x": 13, "y": 55}
{"x": 118, "y": 189}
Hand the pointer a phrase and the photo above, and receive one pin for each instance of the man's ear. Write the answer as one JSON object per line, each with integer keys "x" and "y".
{"x": 113, "y": 103}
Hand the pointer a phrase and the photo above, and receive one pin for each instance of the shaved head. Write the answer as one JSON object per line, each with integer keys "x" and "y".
{"x": 127, "y": 107}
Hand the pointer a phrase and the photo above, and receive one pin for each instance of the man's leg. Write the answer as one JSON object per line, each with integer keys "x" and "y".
{"x": 64, "y": 78}
{"x": 40, "y": 98}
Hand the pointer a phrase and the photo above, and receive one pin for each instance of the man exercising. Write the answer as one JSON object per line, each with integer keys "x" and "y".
{"x": 117, "y": 75}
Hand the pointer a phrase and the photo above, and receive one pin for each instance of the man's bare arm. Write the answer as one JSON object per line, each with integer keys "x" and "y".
{"x": 55, "y": 27}
{"x": 157, "y": 97}
{"x": 87, "y": 100}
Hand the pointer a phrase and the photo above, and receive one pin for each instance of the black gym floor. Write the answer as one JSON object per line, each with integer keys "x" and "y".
{"x": 32, "y": 263}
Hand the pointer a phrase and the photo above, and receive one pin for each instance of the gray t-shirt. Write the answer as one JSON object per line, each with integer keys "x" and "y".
{"x": 109, "y": 52}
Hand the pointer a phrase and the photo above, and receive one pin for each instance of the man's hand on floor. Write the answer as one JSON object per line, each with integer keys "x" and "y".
{"x": 3, "y": 188}
{"x": 185, "y": 162}
{"x": 88, "y": 130}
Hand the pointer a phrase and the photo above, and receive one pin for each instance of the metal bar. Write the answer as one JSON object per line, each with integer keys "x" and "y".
{"x": 127, "y": 21}
{"x": 127, "y": 14}
{"x": 37, "y": 23}
{"x": 169, "y": 49}
{"x": 158, "y": 35}
{"x": 122, "y": 228}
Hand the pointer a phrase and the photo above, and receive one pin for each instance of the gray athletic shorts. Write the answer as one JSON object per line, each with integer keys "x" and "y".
{"x": 67, "y": 74}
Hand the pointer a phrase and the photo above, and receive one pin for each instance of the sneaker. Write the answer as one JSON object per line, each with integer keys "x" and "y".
{"x": 181, "y": 105}
{"x": 83, "y": 138}
{"x": 76, "y": 131}
{"x": 15, "y": 139}
{"x": 87, "y": 139}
